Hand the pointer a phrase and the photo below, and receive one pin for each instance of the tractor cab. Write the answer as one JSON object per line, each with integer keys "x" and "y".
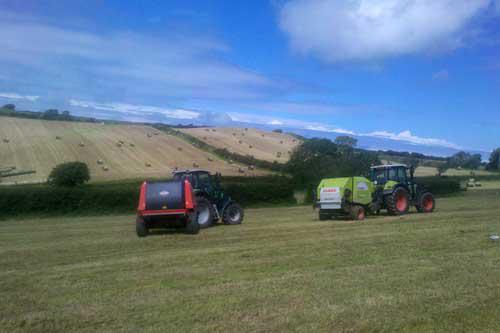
{"x": 399, "y": 173}
{"x": 201, "y": 180}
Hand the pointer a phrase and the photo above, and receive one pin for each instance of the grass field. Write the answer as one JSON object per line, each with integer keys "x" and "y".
{"x": 33, "y": 145}
{"x": 263, "y": 145}
{"x": 282, "y": 270}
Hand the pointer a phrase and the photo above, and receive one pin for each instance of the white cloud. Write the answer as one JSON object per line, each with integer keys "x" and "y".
{"x": 275, "y": 122}
{"x": 340, "y": 30}
{"x": 407, "y": 136}
{"x": 139, "y": 110}
{"x": 18, "y": 96}
{"x": 441, "y": 75}
{"x": 66, "y": 61}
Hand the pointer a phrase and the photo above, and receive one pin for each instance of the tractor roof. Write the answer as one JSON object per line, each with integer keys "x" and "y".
{"x": 386, "y": 166}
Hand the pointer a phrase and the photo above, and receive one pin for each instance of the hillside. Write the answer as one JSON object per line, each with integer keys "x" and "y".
{"x": 145, "y": 152}
{"x": 263, "y": 145}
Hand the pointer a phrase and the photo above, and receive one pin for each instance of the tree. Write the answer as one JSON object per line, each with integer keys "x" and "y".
{"x": 316, "y": 159}
{"x": 50, "y": 114}
{"x": 442, "y": 168}
{"x": 344, "y": 140}
{"x": 10, "y": 107}
{"x": 69, "y": 174}
{"x": 65, "y": 115}
{"x": 464, "y": 160}
{"x": 494, "y": 163}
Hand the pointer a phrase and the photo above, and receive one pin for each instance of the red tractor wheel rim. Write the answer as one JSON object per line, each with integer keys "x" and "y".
{"x": 401, "y": 202}
{"x": 361, "y": 214}
{"x": 428, "y": 203}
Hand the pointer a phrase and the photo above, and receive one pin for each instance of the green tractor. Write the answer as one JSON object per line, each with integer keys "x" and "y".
{"x": 392, "y": 187}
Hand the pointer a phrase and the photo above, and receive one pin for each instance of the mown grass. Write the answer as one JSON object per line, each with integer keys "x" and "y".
{"x": 282, "y": 270}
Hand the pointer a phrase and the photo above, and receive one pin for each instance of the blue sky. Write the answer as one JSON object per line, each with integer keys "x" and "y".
{"x": 419, "y": 71}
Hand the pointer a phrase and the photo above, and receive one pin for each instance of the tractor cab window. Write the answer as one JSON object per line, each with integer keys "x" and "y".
{"x": 204, "y": 181}
{"x": 379, "y": 176}
{"x": 397, "y": 175}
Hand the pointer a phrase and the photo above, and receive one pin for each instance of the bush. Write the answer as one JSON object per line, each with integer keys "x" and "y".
{"x": 69, "y": 174}
{"x": 440, "y": 186}
{"x": 123, "y": 197}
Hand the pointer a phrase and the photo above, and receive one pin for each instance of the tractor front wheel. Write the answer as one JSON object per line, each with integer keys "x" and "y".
{"x": 426, "y": 203}
{"x": 358, "y": 213}
{"x": 204, "y": 212}
{"x": 398, "y": 202}
{"x": 233, "y": 214}
{"x": 140, "y": 227}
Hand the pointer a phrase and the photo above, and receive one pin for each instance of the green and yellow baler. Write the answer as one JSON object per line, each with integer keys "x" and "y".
{"x": 391, "y": 187}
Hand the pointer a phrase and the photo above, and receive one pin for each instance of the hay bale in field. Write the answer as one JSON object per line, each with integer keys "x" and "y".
{"x": 149, "y": 135}
{"x": 179, "y": 148}
{"x": 281, "y": 142}
{"x": 100, "y": 162}
{"x": 195, "y": 165}
{"x": 278, "y": 154}
{"x": 81, "y": 144}
{"x": 251, "y": 167}
{"x": 294, "y": 140}
{"x": 58, "y": 137}
{"x": 121, "y": 142}
{"x": 156, "y": 133}
{"x": 210, "y": 159}
{"x": 246, "y": 129}
{"x": 118, "y": 144}
{"x": 240, "y": 142}
{"x": 240, "y": 170}
{"x": 263, "y": 135}
{"x": 230, "y": 162}
{"x": 105, "y": 168}
{"x": 205, "y": 138}
{"x": 207, "y": 129}
{"x": 214, "y": 130}
{"x": 147, "y": 164}
{"x": 6, "y": 140}
{"x": 250, "y": 147}
{"x": 234, "y": 134}
{"x": 132, "y": 145}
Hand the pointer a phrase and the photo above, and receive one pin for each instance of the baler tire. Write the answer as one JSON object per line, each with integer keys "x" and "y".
{"x": 205, "y": 211}
{"x": 238, "y": 219}
{"x": 141, "y": 228}
{"x": 426, "y": 203}
{"x": 323, "y": 216}
{"x": 192, "y": 226}
{"x": 358, "y": 213}
{"x": 396, "y": 199}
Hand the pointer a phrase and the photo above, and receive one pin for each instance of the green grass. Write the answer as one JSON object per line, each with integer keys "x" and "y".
{"x": 282, "y": 270}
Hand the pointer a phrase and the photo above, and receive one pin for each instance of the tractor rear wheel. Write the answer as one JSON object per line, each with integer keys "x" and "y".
{"x": 140, "y": 227}
{"x": 358, "y": 213}
{"x": 233, "y": 214}
{"x": 426, "y": 203}
{"x": 204, "y": 212}
{"x": 398, "y": 202}
{"x": 192, "y": 226}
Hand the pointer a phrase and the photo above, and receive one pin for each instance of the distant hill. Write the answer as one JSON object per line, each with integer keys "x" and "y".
{"x": 263, "y": 145}
{"x": 127, "y": 151}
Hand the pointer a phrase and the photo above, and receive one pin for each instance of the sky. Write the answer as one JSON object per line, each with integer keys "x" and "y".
{"x": 419, "y": 71}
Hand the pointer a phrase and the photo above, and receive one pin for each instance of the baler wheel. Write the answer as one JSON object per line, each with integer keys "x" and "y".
{"x": 398, "y": 202}
{"x": 192, "y": 226}
{"x": 140, "y": 227}
{"x": 358, "y": 213}
{"x": 426, "y": 203}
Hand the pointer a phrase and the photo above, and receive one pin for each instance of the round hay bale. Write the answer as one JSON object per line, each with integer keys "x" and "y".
{"x": 179, "y": 148}
{"x": 278, "y": 154}
{"x": 210, "y": 159}
{"x": 240, "y": 170}
{"x": 281, "y": 142}
{"x": 81, "y": 144}
{"x": 240, "y": 142}
{"x": 6, "y": 140}
{"x": 251, "y": 167}
{"x": 207, "y": 129}
{"x": 132, "y": 145}
{"x": 149, "y": 135}
{"x": 147, "y": 164}
{"x": 250, "y": 147}
{"x": 58, "y": 137}
{"x": 118, "y": 145}
{"x": 234, "y": 134}
{"x": 231, "y": 162}
{"x": 105, "y": 168}
{"x": 195, "y": 165}
{"x": 205, "y": 138}
{"x": 100, "y": 162}
{"x": 214, "y": 130}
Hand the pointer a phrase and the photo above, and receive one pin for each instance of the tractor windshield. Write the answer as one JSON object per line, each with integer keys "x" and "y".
{"x": 378, "y": 175}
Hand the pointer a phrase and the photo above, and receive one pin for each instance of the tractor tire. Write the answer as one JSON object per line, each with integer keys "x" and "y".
{"x": 192, "y": 226}
{"x": 426, "y": 203}
{"x": 398, "y": 202}
{"x": 233, "y": 214}
{"x": 204, "y": 212}
{"x": 322, "y": 216}
{"x": 140, "y": 227}
{"x": 358, "y": 213}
